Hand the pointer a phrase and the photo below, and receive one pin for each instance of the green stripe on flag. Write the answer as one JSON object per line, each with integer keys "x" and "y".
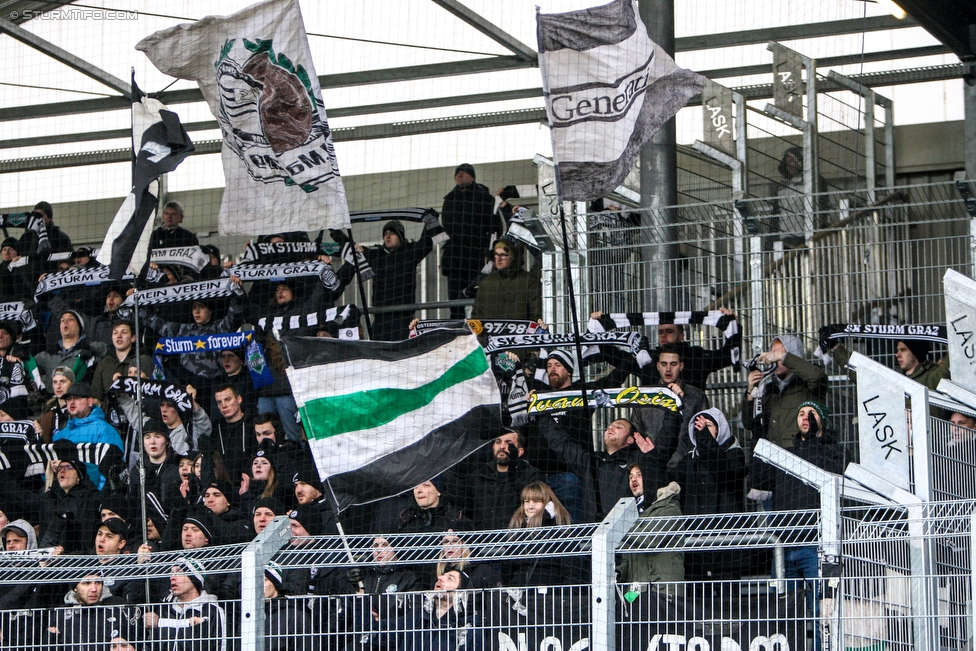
{"x": 333, "y": 415}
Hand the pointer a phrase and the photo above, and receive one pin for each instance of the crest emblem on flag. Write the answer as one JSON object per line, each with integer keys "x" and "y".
{"x": 270, "y": 116}
{"x": 256, "y": 73}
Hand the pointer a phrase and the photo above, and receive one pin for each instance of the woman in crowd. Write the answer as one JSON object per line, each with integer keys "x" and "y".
{"x": 540, "y": 508}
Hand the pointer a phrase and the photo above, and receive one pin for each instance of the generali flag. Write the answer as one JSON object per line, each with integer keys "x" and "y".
{"x": 608, "y": 89}
{"x": 255, "y": 71}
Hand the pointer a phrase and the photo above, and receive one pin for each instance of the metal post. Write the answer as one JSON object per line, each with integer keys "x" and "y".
{"x": 889, "y": 136}
{"x": 603, "y": 596}
{"x": 969, "y": 126}
{"x": 659, "y": 179}
{"x": 757, "y": 303}
{"x": 811, "y": 163}
{"x": 253, "y": 559}
{"x": 740, "y": 183}
{"x": 972, "y": 569}
{"x": 869, "y": 154}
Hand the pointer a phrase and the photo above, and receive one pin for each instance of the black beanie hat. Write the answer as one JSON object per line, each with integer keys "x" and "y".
{"x": 273, "y": 503}
{"x": 465, "y": 167}
{"x": 310, "y": 517}
{"x": 226, "y": 489}
{"x": 309, "y": 475}
{"x": 117, "y": 505}
{"x": 203, "y": 519}
{"x": 920, "y": 349}
{"x": 397, "y": 227}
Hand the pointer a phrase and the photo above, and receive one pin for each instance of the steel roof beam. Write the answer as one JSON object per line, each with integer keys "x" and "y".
{"x": 790, "y": 33}
{"x": 503, "y": 118}
{"x": 76, "y": 63}
{"x": 509, "y": 42}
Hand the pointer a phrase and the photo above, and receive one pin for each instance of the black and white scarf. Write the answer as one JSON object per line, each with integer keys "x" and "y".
{"x": 72, "y": 278}
{"x": 477, "y": 326}
{"x": 724, "y": 322}
{"x": 837, "y": 331}
{"x": 628, "y": 340}
{"x": 428, "y": 216}
{"x": 191, "y": 257}
{"x": 280, "y": 251}
{"x": 103, "y": 455}
{"x": 15, "y": 311}
{"x": 350, "y": 255}
{"x": 277, "y": 272}
{"x": 197, "y": 291}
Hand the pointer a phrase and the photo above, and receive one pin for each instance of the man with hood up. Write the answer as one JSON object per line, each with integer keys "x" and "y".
{"x": 18, "y": 536}
{"x": 774, "y": 395}
{"x": 82, "y": 626}
{"x": 508, "y": 292}
{"x": 710, "y": 465}
{"x": 395, "y": 264}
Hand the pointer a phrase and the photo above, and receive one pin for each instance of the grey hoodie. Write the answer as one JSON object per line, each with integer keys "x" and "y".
{"x": 24, "y": 527}
{"x": 724, "y": 431}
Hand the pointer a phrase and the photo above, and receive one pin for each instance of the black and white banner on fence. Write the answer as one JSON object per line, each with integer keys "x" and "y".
{"x": 345, "y": 318}
{"x": 192, "y": 257}
{"x": 285, "y": 270}
{"x": 198, "y": 291}
{"x": 15, "y": 311}
{"x": 608, "y": 89}
{"x": 549, "y": 401}
{"x": 629, "y": 340}
{"x": 278, "y": 252}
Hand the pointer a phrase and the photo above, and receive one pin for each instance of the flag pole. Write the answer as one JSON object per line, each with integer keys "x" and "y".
{"x": 136, "y": 427}
{"x": 342, "y": 532}
{"x": 359, "y": 283}
{"x": 543, "y": 68}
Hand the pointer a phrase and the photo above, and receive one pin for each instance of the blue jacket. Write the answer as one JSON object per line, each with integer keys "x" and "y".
{"x": 91, "y": 429}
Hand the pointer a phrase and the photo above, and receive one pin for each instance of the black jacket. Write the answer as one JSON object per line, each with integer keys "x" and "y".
{"x": 162, "y": 238}
{"x": 70, "y": 518}
{"x": 789, "y": 493}
{"x": 396, "y": 270}
{"x": 468, "y": 218}
{"x": 491, "y": 497}
{"x": 604, "y": 476}
{"x": 438, "y": 519}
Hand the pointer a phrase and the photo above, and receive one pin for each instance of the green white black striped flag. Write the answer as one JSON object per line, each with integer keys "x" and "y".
{"x": 383, "y": 417}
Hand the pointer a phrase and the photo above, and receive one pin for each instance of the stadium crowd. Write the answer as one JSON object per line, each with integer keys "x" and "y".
{"x": 221, "y": 458}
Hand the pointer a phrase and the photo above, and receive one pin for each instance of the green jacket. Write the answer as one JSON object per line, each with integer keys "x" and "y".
{"x": 655, "y": 567}
{"x": 777, "y": 422}
{"x": 509, "y": 294}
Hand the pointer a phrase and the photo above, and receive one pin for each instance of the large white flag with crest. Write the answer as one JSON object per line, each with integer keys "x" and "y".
{"x": 255, "y": 71}
{"x": 608, "y": 89}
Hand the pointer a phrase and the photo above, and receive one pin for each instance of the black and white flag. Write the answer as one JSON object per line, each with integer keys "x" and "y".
{"x": 159, "y": 144}
{"x": 608, "y": 89}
